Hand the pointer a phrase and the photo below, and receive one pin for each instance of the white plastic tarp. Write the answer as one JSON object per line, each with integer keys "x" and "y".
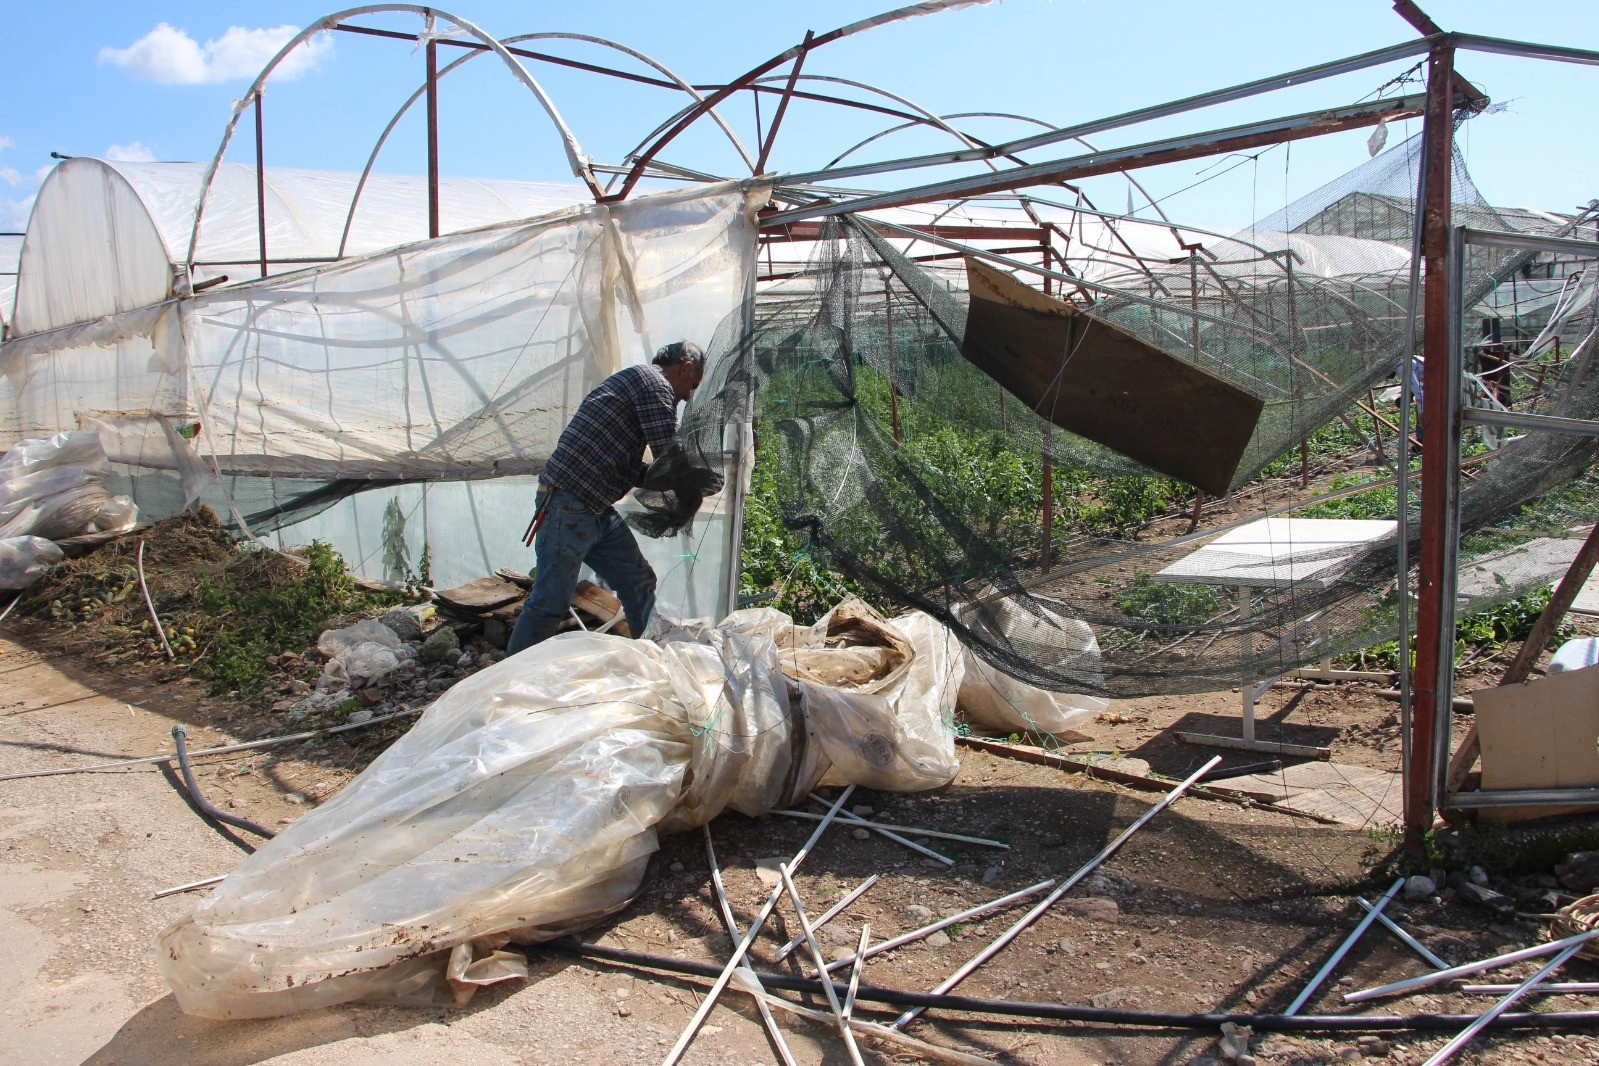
{"x": 527, "y": 800}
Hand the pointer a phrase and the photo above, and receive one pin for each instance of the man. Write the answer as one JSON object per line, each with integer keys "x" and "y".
{"x": 599, "y": 457}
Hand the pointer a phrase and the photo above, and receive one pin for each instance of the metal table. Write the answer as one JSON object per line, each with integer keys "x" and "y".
{"x": 1280, "y": 553}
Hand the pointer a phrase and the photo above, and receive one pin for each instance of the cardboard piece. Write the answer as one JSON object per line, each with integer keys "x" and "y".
{"x": 1097, "y": 380}
{"x": 1543, "y": 734}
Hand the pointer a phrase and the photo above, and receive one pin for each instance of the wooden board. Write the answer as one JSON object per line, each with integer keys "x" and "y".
{"x": 481, "y": 596}
{"x": 1101, "y": 382}
{"x": 1350, "y": 795}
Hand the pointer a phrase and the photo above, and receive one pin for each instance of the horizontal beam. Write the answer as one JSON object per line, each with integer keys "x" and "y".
{"x": 1154, "y": 153}
{"x": 1522, "y": 797}
{"x": 1489, "y": 238}
{"x": 1485, "y": 416}
{"x": 1130, "y": 118}
{"x": 810, "y": 231}
{"x": 1526, "y": 49}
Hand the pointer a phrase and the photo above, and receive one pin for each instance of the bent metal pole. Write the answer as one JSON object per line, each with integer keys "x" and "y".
{"x": 676, "y": 1054}
{"x": 1048, "y": 901}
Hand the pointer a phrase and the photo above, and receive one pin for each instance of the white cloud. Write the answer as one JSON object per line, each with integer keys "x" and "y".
{"x": 14, "y": 214}
{"x": 11, "y": 175}
{"x": 170, "y": 56}
{"x": 129, "y": 153}
{"x": 6, "y": 142}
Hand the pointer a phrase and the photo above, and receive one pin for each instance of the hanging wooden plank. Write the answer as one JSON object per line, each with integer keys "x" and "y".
{"x": 1101, "y": 382}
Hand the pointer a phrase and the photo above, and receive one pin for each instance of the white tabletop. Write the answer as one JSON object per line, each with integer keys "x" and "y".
{"x": 1279, "y": 552}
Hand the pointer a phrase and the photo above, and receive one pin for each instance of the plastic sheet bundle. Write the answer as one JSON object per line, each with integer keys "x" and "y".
{"x": 54, "y": 490}
{"x": 526, "y": 802}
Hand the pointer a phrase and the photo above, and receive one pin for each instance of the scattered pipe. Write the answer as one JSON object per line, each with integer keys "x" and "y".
{"x": 1044, "y": 904}
{"x": 14, "y": 601}
{"x": 746, "y": 970}
{"x": 855, "y": 970}
{"x": 821, "y": 963}
{"x": 675, "y": 1055}
{"x": 190, "y": 887}
{"x": 966, "y": 915}
{"x": 856, "y": 820}
{"x": 870, "y": 1030}
{"x": 1551, "y": 988}
{"x": 1064, "y": 1012}
{"x": 935, "y": 834}
{"x": 1409, "y": 941}
{"x": 1469, "y": 968}
{"x": 1446, "y": 1052}
{"x": 145, "y": 591}
{"x": 1343, "y": 949}
{"x": 179, "y": 735}
{"x": 225, "y": 749}
{"x": 832, "y": 912}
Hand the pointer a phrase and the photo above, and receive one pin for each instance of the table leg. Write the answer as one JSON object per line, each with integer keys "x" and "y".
{"x": 1247, "y": 682}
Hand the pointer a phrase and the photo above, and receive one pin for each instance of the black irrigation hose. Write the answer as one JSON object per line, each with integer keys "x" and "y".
{"x": 1281, "y": 1023}
{"x": 179, "y": 736}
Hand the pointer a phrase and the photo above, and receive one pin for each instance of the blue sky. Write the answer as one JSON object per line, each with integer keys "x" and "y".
{"x": 101, "y": 78}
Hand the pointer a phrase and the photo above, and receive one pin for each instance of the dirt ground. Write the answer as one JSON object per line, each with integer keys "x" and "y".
{"x": 1211, "y": 907}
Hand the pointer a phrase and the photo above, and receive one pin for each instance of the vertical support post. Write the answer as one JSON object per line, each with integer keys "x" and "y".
{"x": 1193, "y": 297}
{"x": 260, "y": 185}
{"x": 433, "y": 138}
{"x": 1432, "y": 642}
{"x": 888, "y": 325}
{"x": 1047, "y": 480}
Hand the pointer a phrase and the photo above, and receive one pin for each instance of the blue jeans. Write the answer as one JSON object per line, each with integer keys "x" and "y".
{"x": 570, "y": 536}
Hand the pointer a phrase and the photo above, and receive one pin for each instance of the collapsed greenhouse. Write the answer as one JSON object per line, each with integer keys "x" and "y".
{"x": 311, "y": 351}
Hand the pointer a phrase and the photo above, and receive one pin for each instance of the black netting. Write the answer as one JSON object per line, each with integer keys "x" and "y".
{"x": 914, "y": 474}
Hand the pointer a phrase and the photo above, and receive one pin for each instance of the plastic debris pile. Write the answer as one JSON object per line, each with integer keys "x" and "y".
{"x": 54, "y": 491}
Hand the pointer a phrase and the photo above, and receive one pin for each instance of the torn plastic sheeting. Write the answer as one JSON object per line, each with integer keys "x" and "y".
{"x": 525, "y": 803}
{"x": 995, "y": 700}
{"x": 55, "y": 488}
{"x": 24, "y": 560}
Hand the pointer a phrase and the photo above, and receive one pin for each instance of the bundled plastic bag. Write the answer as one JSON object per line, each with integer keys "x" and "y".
{"x": 525, "y": 803}
{"x": 995, "y": 700}
{"x": 365, "y": 651}
{"x": 24, "y": 560}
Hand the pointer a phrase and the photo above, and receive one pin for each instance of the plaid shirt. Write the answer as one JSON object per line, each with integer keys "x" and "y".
{"x": 600, "y": 455}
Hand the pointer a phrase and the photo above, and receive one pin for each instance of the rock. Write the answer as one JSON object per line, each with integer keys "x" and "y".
{"x": 1581, "y": 873}
{"x": 991, "y": 875}
{"x": 1418, "y": 888}
{"x": 1480, "y": 895}
{"x": 441, "y": 645}
{"x": 294, "y": 797}
{"x": 1094, "y": 908}
{"x": 360, "y": 717}
{"x": 298, "y": 687}
{"x": 863, "y": 811}
{"x": 1477, "y": 875}
{"x": 403, "y": 622}
{"x": 841, "y": 953}
{"x": 676, "y": 867}
{"x": 919, "y": 912}
{"x": 1108, "y": 998}
{"x": 937, "y": 940}
{"x": 370, "y": 697}
{"x": 1350, "y": 1054}
{"x": 1051, "y": 840}
{"x": 1374, "y": 1046}
{"x": 485, "y": 661}
{"x": 1065, "y": 946}
{"x": 860, "y": 834}
{"x": 282, "y": 706}
{"x": 766, "y": 870}
{"x": 1098, "y": 885}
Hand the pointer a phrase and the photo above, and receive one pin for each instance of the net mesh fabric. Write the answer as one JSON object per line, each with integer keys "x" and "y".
{"x": 1307, "y": 309}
